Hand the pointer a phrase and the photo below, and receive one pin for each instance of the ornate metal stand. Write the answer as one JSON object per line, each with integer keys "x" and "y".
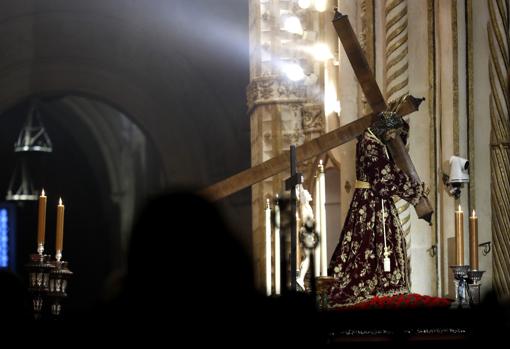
{"x": 324, "y": 283}
{"x": 460, "y": 274}
{"x": 467, "y": 286}
{"x": 309, "y": 239}
{"x": 59, "y": 278}
{"x": 47, "y": 283}
{"x": 474, "y": 278}
{"x": 39, "y": 270}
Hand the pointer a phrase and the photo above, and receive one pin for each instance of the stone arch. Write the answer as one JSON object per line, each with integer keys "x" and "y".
{"x": 154, "y": 62}
{"x": 129, "y": 100}
{"x": 131, "y": 58}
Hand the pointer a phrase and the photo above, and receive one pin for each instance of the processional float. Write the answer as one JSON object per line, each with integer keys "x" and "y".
{"x": 315, "y": 147}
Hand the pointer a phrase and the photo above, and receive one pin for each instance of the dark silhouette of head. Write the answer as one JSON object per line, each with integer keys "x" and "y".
{"x": 182, "y": 256}
{"x": 13, "y": 297}
{"x": 186, "y": 268}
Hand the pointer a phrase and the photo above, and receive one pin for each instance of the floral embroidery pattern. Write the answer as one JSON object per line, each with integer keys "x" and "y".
{"x": 357, "y": 263}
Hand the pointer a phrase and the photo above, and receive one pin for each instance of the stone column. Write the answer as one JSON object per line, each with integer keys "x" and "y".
{"x": 282, "y": 112}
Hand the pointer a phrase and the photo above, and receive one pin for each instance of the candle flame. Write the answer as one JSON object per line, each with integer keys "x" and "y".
{"x": 321, "y": 166}
{"x": 42, "y": 194}
{"x": 460, "y": 209}
{"x": 60, "y": 201}
{"x": 474, "y": 213}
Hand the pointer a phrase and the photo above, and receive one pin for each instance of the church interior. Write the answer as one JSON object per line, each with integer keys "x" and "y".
{"x": 311, "y": 172}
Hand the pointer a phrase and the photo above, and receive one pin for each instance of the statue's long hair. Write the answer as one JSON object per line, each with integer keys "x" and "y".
{"x": 386, "y": 121}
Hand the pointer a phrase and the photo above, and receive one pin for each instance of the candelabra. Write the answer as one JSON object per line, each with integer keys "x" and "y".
{"x": 460, "y": 274}
{"x": 39, "y": 269}
{"x": 59, "y": 278}
{"x": 48, "y": 282}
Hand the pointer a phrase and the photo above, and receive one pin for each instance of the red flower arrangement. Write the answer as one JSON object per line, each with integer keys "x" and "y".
{"x": 401, "y": 301}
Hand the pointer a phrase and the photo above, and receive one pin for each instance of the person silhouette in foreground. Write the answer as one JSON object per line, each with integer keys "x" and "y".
{"x": 185, "y": 268}
{"x": 14, "y": 305}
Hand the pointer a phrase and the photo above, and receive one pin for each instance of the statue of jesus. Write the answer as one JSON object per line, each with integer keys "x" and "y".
{"x": 370, "y": 258}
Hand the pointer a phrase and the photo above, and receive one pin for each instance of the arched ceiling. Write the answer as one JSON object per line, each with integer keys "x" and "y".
{"x": 171, "y": 66}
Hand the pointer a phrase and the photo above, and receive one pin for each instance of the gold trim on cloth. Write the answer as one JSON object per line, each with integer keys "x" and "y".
{"x": 401, "y": 291}
{"x": 362, "y": 185}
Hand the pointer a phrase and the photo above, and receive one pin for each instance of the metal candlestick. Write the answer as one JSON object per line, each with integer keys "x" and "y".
{"x": 460, "y": 274}
{"x": 324, "y": 284}
{"x": 59, "y": 278}
{"x": 39, "y": 270}
{"x": 474, "y": 278}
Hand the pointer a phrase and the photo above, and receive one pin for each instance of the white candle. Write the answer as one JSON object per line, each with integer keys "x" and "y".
{"x": 277, "y": 266}
{"x": 324, "y": 235}
{"x": 317, "y": 252}
{"x": 459, "y": 237}
{"x": 268, "y": 248}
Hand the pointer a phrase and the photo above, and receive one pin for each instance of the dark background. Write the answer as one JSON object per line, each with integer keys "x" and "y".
{"x": 109, "y": 76}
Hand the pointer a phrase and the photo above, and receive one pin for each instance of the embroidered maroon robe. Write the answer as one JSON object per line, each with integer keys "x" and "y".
{"x": 357, "y": 263}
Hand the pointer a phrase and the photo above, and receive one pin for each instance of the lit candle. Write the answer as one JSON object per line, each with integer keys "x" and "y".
{"x": 323, "y": 236}
{"x": 268, "y": 248}
{"x": 60, "y": 230}
{"x": 41, "y": 225}
{"x": 473, "y": 241}
{"x": 277, "y": 283}
{"x": 459, "y": 237}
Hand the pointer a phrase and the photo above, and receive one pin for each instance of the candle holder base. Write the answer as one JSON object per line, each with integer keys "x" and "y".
{"x": 59, "y": 278}
{"x": 324, "y": 284}
{"x": 460, "y": 274}
{"x": 474, "y": 278}
{"x": 39, "y": 269}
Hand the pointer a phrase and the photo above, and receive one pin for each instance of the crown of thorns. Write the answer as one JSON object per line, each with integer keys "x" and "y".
{"x": 386, "y": 120}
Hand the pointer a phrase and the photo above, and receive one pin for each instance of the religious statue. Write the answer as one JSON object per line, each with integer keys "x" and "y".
{"x": 307, "y": 219}
{"x": 370, "y": 258}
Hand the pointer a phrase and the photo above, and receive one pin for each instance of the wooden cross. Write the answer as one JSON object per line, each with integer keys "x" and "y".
{"x": 338, "y": 136}
{"x": 376, "y": 101}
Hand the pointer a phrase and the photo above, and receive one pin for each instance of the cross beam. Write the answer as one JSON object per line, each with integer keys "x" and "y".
{"x": 308, "y": 150}
{"x": 339, "y": 136}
